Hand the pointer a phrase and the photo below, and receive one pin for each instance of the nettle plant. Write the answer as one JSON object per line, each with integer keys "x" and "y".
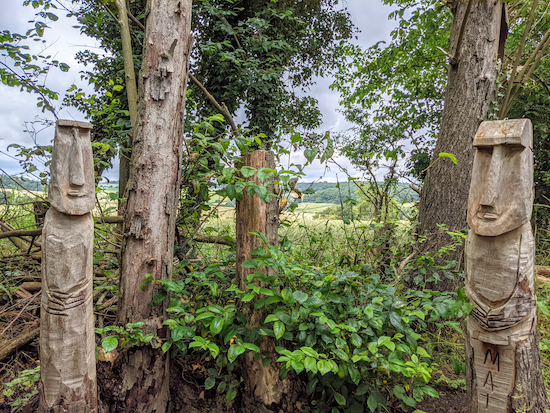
{"x": 356, "y": 342}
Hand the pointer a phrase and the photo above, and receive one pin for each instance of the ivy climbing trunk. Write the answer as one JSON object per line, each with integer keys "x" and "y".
{"x": 475, "y": 39}
{"x": 262, "y": 385}
{"x": 153, "y": 188}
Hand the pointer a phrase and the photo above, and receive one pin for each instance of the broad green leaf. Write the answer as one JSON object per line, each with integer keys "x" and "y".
{"x": 216, "y": 326}
{"x": 310, "y": 364}
{"x": 177, "y": 333}
{"x": 341, "y": 400}
{"x": 209, "y": 383}
{"x": 250, "y": 346}
{"x": 308, "y": 351}
{"x": 310, "y": 154}
{"x": 231, "y": 393}
{"x": 341, "y": 354}
{"x": 362, "y": 389}
{"x": 248, "y": 171}
{"x": 278, "y": 329}
{"x": 356, "y": 340}
{"x": 109, "y": 343}
{"x": 235, "y": 351}
{"x": 323, "y": 366}
{"x": 270, "y": 318}
{"x": 300, "y": 296}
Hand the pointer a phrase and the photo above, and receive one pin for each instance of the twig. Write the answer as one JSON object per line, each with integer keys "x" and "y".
{"x": 136, "y": 21}
{"x": 19, "y": 342}
{"x": 517, "y": 58}
{"x": 107, "y": 303}
{"x": 21, "y": 233}
{"x": 23, "y": 309}
{"x": 222, "y": 108}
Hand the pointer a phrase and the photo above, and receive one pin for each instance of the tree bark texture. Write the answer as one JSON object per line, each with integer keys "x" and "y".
{"x": 255, "y": 215}
{"x": 470, "y": 89}
{"x": 153, "y": 188}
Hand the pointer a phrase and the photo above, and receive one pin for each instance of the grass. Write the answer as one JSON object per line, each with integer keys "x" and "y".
{"x": 321, "y": 242}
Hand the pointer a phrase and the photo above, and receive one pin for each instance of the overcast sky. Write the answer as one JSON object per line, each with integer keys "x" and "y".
{"x": 63, "y": 41}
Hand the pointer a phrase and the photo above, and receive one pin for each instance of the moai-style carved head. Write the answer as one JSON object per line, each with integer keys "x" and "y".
{"x": 501, "y": 192}
{"x": 72, "y": 185}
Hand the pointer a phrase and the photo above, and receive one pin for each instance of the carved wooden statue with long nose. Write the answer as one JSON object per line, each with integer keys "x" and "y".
{"x": 67, "y": 345}
{"x": 503, "y": 361}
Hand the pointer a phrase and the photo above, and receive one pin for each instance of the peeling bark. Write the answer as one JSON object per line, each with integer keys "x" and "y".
{"x": 153, "y": 187}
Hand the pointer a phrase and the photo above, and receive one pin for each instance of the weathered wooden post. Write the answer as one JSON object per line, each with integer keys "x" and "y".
{"x": 67, "y": 345}
{"x": 502, "y": 355}
{"x": 255, "y": 215}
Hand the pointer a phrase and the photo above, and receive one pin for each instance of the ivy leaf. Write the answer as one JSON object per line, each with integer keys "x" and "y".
{"x": 310, "y": 154}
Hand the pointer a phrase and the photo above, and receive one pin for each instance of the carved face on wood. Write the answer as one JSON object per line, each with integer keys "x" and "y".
{"x": 72, "y": 186}
{"x": 501, "y": 191}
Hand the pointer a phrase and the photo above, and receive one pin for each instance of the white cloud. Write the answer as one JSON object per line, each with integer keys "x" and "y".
{"x": 64, "y": 41}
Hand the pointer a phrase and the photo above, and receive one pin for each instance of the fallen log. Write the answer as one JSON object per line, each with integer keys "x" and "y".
{"x": 21, "y": 233}
{"x": 208, "y": 239}
{"x": 21, "y": 243}
{"x": 19, "y": 342}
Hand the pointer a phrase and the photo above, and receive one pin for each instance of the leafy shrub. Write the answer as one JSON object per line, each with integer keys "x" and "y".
{"x": 356, "y": 341}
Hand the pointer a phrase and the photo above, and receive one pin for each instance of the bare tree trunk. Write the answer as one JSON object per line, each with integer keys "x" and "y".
{"x": 255, "y": 215}
{"x": 149, "y": 225}
{"x": 470, "y": 90}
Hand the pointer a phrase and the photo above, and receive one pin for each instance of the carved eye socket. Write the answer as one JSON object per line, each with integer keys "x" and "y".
{"x": 511, "y": 149}
{"x": 485, "y": 150}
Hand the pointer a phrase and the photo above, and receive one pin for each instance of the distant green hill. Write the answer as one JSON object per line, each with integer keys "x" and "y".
{"x": 334, "y": 193}
{"x": 16, "y": 182}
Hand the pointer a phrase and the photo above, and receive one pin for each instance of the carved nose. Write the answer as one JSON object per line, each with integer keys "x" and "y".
{"x": 493, "y": 178}
{"x": 76, "y": 165}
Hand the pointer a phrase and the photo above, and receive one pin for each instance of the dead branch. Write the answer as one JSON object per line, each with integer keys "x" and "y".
{"x": 222, "y": 108}
{"x": 107, "y": 303}
{"x": 20, "y": 341}
{"x": 31, "y": 299}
